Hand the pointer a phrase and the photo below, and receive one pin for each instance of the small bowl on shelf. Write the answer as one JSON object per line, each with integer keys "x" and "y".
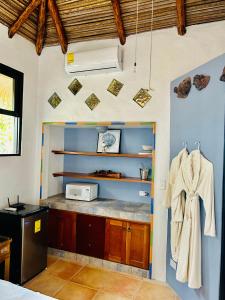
{"x": 147, "y": 147}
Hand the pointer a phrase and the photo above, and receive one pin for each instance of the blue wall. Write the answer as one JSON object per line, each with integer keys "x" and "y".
{"x": 85, "y": 139}
{"x": 200, "y": 117}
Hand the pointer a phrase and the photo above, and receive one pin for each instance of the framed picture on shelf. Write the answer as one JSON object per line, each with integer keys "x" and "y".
{"x": 109, "y": 141}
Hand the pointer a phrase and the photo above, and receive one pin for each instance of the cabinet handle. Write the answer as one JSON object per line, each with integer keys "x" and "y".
{"x": 129, "y": 229}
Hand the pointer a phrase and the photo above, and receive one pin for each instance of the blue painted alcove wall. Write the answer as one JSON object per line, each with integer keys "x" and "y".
{"x": 85, "y": 139}
{"x": 200, "y": 117}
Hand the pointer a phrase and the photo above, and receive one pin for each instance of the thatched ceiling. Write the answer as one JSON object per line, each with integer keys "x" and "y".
{"x": 94, "y": 19}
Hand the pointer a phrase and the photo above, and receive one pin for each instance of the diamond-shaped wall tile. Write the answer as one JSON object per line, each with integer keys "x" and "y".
{"x": 54, "y": 100}
{"x": 75, "y": 86}
{"x": 142, "y": 97}
{"x": 115, "y": 87}
{"x": 92, "y": 101}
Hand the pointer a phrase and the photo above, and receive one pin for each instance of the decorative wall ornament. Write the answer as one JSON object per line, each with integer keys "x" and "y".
{"x": 183, "y": 88}
{"x": 142, "y": 97}
{"x": 201, "y": 81}
{"x": 92, "y": 101}
{"x": 54, "y": 100}
{"x": 115, "y": 87}
{"x": 109, "y": 141}
{"x": 222, "y": 77}
{"x": 75, "y": 86}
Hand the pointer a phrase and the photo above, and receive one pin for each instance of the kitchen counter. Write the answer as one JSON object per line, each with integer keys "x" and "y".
{"x": 134, "y": 211}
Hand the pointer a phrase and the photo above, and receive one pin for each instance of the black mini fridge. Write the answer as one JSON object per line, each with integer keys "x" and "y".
{"x": 28, "y": 230}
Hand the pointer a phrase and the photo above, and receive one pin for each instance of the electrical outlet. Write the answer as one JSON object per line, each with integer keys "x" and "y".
{"x": 173, "y": 264}
{"x": 143, "y": 194}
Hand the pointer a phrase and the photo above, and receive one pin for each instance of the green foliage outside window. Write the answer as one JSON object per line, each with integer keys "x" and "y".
{"x": 7, "y": 123}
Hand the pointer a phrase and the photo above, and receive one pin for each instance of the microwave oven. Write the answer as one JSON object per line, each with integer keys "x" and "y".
{"x": 82, "y": 191}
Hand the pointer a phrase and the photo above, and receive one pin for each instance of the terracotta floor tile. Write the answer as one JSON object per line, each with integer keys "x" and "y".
{"x": 70, "y": 281}
{"x": 46, "y": 284}
{"x": 64, "y": 269}
{"x": 91, "y": 277}
{"x": 109, "y": 281}
{"x": 51, "y": 260}
{"x": 73, "y": 291}
{"x": 149, "y": 291}
{"x": 110, "y": 296}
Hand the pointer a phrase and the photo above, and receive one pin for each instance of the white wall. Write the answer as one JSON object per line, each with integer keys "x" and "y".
{"x": 17, "y": 174}
{"x": 172, "y": 56}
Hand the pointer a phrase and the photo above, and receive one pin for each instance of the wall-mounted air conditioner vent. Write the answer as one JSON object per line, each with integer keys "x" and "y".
{"x": 95, "y": 61}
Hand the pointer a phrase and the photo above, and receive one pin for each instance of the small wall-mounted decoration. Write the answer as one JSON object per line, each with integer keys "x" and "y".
{"x": 115, "y": 87}
{"x": 142, "y": 97}
{"x": 201, "y": 81}
{"x": 109, "y": 141}
{"x": 183, "y": 88}
{"x": 222, "y": 77}
{"x": 54, "y": 100}
{"x": 75, "y": 86}
{"x": 92, "y": 101}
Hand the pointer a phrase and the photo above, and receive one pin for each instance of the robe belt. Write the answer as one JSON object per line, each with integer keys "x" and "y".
{"x": 190, "y": 198}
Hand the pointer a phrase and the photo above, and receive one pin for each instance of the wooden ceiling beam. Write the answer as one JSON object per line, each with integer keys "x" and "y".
{"x": 181, "y": 19}
{"x": 41, "y": 27}
{"x": 52, "y": 7}
{"x": 119, "y": 21}
{"x": 23, "y": 17}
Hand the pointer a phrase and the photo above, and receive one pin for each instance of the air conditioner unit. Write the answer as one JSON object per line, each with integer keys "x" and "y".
{"x": 102, "y": 60}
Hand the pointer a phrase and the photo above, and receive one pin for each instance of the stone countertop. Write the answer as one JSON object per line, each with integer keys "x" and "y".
{"x": 134, "y": 211}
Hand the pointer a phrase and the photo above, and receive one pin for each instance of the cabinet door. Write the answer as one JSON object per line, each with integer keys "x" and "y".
{"x": 138, "y": 243}
{"x": 53, "y": 229}
{"x": 90, "y": 235}
{"x": 115, "y": 243}
{"x": 68, "y": 231}
{"x": 62, "y": 230}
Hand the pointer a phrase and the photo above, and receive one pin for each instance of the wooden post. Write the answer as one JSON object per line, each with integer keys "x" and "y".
{"x": 41, "y": 27}
{"x": 119, "y": 21}
{"x": 58, "y": 24}
{"x": 23, "y": 17}
{"x": 181, "y": 22}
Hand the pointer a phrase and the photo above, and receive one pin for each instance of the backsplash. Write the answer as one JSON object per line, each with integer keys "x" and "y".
{"x": 132, "y": 139}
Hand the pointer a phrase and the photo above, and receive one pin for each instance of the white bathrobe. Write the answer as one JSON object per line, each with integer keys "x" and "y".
{"x": 195, "y": 177}
{"x": 177, "y": 204}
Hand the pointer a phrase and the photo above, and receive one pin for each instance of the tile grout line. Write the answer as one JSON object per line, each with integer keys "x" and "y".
{"x": 76, "y": 273}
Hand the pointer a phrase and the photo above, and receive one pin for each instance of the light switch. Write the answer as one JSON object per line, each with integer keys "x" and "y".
{"x": 162, "y": 184}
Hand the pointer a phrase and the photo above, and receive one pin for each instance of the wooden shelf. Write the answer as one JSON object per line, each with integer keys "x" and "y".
{"x": 90, "y": 176}
{"x": 130, "y": 155}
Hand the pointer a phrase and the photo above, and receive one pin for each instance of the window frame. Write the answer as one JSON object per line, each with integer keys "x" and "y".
{"x": 18, "y": 103}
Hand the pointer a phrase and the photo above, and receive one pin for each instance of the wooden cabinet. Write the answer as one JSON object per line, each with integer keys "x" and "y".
{"x": 90, "y": 237}
{"x": 62, "y": 230}
{"x": 115, "y": 240}
{"x": 127, "y": 242}
{"x": 137, "y": 245}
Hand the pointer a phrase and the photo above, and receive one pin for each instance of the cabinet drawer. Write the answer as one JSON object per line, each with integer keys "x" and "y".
{"x": 90, "y": 235}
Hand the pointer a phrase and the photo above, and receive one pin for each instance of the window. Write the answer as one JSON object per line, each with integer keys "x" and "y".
{"x": 11, "y": 98}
